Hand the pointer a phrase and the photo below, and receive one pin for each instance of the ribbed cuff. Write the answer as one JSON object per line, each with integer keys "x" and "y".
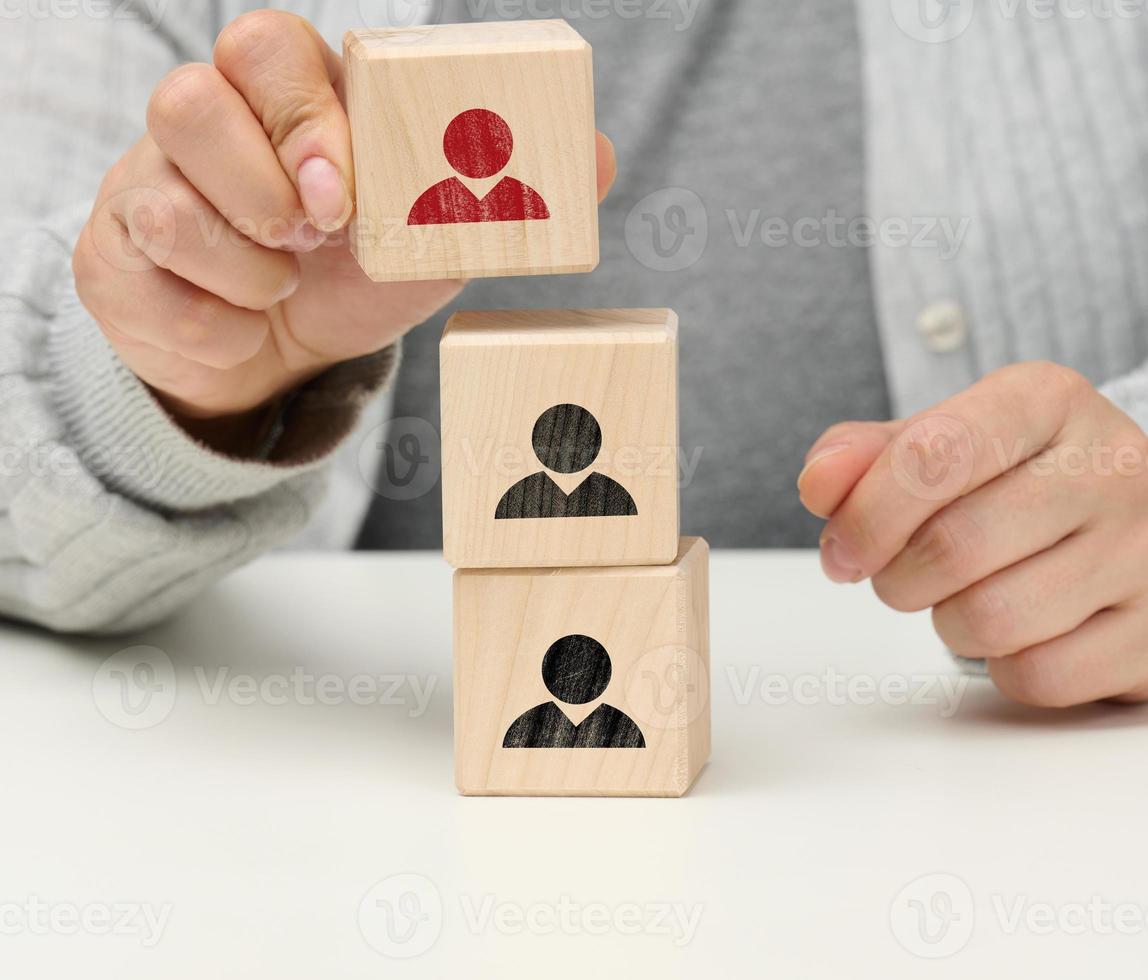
{"x": 120, "y": 432}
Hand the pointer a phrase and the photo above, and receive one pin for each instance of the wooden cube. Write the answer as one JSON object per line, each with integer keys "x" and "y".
{"x": 582, "y": 682}
{"x": 560, "y": 438}
{"x": 474, "y": 150}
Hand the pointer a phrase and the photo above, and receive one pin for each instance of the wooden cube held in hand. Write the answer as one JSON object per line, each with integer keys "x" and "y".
{"x": 583, "y": 682}
{"x": 560, "y": 438}
{"x": 474, "y": 150}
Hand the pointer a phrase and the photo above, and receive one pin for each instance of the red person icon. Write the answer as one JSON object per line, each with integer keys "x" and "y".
{"x": 478, "y": 143}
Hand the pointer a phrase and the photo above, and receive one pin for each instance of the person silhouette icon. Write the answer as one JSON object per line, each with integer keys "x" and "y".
{"x": 576, "y": 670}
{"x": 478, "y": 144}
{"x": 566, "y": 439}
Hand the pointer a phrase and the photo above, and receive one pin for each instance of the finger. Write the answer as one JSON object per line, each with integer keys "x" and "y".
{"x": 1014, "y": 517}
{"x": 838, "y": 460}
{"x": 196, "y": 243}
{"x": 288, "y": 76}
{"x": 1105, "y": 658}
{"x": 1034, "y": 601}
{"x": 155, "y": 308}
{"x": 607, "y": 165}
{"x": 206, "y": 129}
{"x": 943, "y": 454}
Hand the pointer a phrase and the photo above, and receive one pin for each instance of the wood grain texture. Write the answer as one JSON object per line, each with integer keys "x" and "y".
{"x": 501, "y": 371}
{"x": 404, "y": 88}
{"x": 654, "y": 623}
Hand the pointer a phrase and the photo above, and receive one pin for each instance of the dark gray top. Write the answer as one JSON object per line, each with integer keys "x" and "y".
{"x": 751, "y": 111}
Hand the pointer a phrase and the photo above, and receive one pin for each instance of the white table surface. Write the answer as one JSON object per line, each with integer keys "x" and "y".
{"x": 269, "y": 835}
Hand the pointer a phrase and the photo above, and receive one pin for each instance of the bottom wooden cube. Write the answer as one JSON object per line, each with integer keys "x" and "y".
{"x": 582, "y": 681}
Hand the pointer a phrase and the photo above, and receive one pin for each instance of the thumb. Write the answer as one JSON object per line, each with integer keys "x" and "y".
{"x": 838, "y": 459}
{"x": 291, "y": 80}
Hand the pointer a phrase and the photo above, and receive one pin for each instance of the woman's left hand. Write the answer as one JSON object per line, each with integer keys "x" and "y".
{"x": 1018, "y": 512}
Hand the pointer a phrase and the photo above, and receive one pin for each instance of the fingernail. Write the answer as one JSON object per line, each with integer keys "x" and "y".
{"x": 289, "y": 286}
{"x": 837, "y": 561}
{"x": 324, "y": 195}
{"x": 822, "y": 454}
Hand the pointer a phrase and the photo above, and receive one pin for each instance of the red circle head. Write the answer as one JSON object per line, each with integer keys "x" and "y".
{"x": 478, "y": 143}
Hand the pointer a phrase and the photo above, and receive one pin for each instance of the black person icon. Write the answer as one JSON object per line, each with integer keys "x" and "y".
{"x": 576, "y": 670}
{"x": 478, "y": 144}
{"x": 566, "y": 439}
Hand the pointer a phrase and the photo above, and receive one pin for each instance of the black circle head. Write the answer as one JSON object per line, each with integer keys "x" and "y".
{"x": 567, "y": 438}
{"x": 576, "y": 669}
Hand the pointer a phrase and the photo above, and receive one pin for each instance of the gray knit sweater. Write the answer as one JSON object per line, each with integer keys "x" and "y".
{"x": 1003, "y": 173}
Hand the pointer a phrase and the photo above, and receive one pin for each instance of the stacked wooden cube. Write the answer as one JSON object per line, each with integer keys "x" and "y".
{"x": 581, "y": 624}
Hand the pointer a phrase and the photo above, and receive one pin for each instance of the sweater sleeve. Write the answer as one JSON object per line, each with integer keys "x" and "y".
{"x": 111, "y": 517}
{"x": 1130, "y": 393}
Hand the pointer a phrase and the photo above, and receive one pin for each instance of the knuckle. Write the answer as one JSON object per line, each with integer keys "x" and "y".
{"x": 891, "y": 588}
{"x": 986, "y": 618}
{"x": 246, "y": 41}
{"x": 180, "y": 99}
{"x": 1054, "y": 384}
{"x": 1030, "y": 678}
{"x": 947, "y": 543}
{"x": 196, "y": 328}
{"x": 291, "y": 109}
{"x": 857, "y": 527}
